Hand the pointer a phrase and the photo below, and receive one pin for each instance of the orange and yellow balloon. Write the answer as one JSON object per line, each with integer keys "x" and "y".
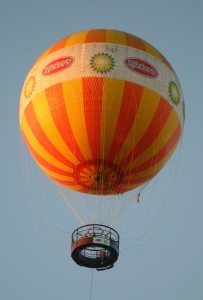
{"x": 101, "y": 111}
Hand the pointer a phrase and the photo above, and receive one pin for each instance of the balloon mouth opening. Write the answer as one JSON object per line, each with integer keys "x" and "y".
{"x": 99, "y": 177}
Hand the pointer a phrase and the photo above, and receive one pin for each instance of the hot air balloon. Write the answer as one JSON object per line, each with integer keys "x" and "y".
{"x": 101, "y": 112}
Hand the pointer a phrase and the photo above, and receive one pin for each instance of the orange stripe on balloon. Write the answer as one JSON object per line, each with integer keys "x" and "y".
{"x": 151, "y": 171}
{"x": 142, "y": 120}
{"x": 160, "y": 117}
{"x": 92, "y": 100}
{"x": 41, "y": 137}
{"x": 135, "y": 42}
{"x": 73, "y": 98}
{"x": 34, "y": 143}
{"x": 96, "y": 36}
{"x": 161, "y": 154}
{"x": 139, "y": 181}
{"x": 132, "y": 96}
{"x": 59, "y": 45}
{"x": 67, "y": 183}
{"x": 123, "y": 188}
{"x": 61, "y": 120}
{"x": 44, "y": 163}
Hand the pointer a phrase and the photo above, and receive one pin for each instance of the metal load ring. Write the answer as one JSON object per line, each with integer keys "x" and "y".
{"x": 95, "y": 246}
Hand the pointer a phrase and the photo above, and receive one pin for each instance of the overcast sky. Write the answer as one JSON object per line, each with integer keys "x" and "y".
{"x": 163, "y": 262}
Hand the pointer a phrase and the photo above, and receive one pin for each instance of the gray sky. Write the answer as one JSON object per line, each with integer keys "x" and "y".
{"x": 35, "y": 258}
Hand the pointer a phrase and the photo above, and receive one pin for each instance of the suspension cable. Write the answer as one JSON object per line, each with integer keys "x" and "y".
{"x": 91, "y": 285}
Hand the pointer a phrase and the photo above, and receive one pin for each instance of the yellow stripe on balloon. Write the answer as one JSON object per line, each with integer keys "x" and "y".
{"x": 77, "y": 38}
{"x": 55, "y": 175}
{"x": 73, "y": 96}
{"x": 36, "y": 146}
{"x": 43, "y": 55}
{"x": 146, "y": 111}
{"x": 153, "y": 170}
{"x": 111, "y": 103}
{"x": 159, "y": 142}
{"x": 41, "y": 107}
{"x": 151, "y": 50}
{"x": 116, "y": 37}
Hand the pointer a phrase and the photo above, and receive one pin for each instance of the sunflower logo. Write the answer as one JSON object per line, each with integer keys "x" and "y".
{"x": 29, "y": 87}
{"x": 174, "y": 93}
{"x": 102, "y": 63}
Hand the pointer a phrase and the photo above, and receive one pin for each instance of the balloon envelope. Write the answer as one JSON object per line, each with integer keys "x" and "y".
{"x": 101, "y": 111}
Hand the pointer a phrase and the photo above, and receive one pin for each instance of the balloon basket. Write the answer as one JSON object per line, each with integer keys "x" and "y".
{"x": 95, "y": 246}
